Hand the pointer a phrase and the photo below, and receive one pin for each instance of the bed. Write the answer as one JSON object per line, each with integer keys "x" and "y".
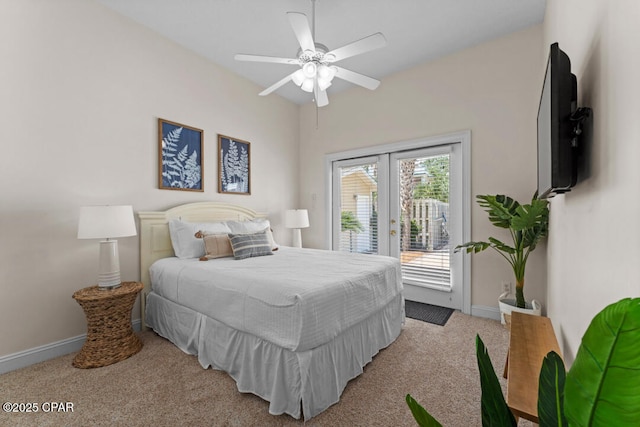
{"x": 292, "y": 327}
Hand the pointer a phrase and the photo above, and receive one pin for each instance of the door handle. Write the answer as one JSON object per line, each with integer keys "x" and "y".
{"x": 392, "y": 232}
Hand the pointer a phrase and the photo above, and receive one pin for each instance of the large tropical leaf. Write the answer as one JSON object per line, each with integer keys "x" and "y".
{"x": 551, "y": 392}
{"x": 532, "y": 236}
{"x": 531, "y": 223}
{"x": 495, "y": 412}
{"x": 422, "y": 417}
{"x": 501, "y": 209}
{"x": 603, "y": 385}
{"x": 474, "y": 247}
{"x": 529, "y": 216}
{"x": 502, "y": 246}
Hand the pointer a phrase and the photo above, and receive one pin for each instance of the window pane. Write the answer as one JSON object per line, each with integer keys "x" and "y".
{"x": 424, "y": 233}
{"x": 359, "y": 208}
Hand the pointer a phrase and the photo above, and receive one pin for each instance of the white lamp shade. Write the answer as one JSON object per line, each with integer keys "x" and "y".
{"x": 323, "y": 84}
{"x": 104, "y": 222}
{"x": 309, "y": 70}
{"x": 100, "y": 222}
{"x": 333, "y": 70}
{"x": 307, "y": 85}
{"x": 298, "y": 77}
{"x": 324, "y": 71}
{"x": 296, "y": 218}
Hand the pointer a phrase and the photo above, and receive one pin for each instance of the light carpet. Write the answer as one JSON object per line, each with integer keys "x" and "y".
{"x": 162, "y": 386}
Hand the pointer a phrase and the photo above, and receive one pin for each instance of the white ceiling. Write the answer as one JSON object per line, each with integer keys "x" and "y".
{"x": 417, "y": 31}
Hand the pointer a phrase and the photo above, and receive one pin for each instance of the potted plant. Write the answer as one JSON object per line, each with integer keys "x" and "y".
{"x": 527, "y": 225}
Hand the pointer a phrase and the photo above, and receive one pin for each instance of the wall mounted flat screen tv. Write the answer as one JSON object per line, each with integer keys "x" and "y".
{"x": 557, "y": 168}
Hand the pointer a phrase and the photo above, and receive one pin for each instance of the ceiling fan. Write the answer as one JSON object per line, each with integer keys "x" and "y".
{"x": 315, "y": 60}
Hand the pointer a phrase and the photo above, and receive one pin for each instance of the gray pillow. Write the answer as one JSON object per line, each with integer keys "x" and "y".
{"x": 250, "y": 245}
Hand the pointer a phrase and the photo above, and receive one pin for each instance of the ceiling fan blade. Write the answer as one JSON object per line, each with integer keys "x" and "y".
{"x": 372, "y": 42}
{"x": 357, "y": 78}
{"x": 261, "y": 58}
{"x": 275, "y": 86}
{"x": 301, "y": 28}
{"x": 321, "y": 98}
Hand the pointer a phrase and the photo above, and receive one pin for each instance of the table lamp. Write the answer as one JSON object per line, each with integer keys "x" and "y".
{"x": 296, "y": 219}
{"x": 107, "y": 222}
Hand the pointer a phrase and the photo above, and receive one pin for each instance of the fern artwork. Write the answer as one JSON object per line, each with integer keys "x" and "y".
{"x": 234, "y": 165}
{"x": 180, "y": 166}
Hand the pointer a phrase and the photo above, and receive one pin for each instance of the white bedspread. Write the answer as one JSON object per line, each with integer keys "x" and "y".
{"x": 297, "y": 298}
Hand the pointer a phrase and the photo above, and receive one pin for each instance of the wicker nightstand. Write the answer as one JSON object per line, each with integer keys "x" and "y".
{"x": 110, "y": 337}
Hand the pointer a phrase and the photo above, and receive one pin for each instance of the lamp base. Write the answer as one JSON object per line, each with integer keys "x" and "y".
{"x": 297, "y": 238}
{"x": 109, "y": 270}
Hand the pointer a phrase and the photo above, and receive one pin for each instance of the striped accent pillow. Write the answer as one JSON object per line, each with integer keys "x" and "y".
{"x": 250, "y": 245}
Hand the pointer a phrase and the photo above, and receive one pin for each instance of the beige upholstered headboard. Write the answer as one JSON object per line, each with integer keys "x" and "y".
{"x": 155, "y": 242}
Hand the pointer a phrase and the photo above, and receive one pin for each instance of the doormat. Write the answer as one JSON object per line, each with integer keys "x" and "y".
{"x": 427, "y": 312}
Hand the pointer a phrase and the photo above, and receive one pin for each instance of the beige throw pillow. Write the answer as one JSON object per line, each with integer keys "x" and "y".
{"x": 216, "y": 246}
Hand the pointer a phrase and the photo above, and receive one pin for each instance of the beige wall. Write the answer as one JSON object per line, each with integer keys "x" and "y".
{"x": 81, "y": 90}
{"x": 492, "y": 89}
{"x": 592, "y": 250}
{"x": 85, "y": 87}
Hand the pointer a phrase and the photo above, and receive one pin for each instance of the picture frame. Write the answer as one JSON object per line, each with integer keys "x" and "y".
{"x": 180, "y": 157}
{"x": 234, "y": 165}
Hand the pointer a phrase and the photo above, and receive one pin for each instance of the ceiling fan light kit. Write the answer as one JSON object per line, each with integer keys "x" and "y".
{"x": 298, "y": 77}
{"x": 307, "y": 85}
{"x": 315, "y": 60}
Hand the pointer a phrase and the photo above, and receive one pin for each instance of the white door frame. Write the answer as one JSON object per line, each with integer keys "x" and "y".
{"x": 464, "y": 139}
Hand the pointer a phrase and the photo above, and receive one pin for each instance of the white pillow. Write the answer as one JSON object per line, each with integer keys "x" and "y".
{"x": 185, "y": 243}
{"x": 253, "y": 226}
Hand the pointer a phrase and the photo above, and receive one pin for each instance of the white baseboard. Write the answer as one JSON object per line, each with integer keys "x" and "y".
{"x": 25, "y": 358}
{"x": 485, "y": 311}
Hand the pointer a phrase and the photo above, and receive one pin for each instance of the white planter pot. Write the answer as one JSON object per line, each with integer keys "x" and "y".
{"x": 508, "y": 305}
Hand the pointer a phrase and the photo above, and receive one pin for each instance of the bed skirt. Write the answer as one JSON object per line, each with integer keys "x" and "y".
{"x": 312, "y": 379}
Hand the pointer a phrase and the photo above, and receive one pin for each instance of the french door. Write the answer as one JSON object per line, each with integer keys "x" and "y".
{"x": 407, "y": 204}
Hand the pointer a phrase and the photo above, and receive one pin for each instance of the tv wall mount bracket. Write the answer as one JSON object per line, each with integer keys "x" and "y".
{"x": 577, "y": 119}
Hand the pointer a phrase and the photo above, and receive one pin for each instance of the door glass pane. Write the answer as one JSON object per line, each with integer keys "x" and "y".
{"x": 424, "y": 213}
{"x": 359, "y": 208}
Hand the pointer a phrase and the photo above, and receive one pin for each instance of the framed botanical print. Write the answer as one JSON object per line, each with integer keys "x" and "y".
{"x": 180, "y": 161}
{"x": 234, "y": 165}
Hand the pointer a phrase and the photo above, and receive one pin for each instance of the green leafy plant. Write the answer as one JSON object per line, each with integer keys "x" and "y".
{"x": 349, "y": 222}
{"x": 422, "y": 417}
{"x": 602, "y": 388}
{"x": 551, "y": 391}
{"x": 603, "y": 384}
{"x": 527, "y": 224}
